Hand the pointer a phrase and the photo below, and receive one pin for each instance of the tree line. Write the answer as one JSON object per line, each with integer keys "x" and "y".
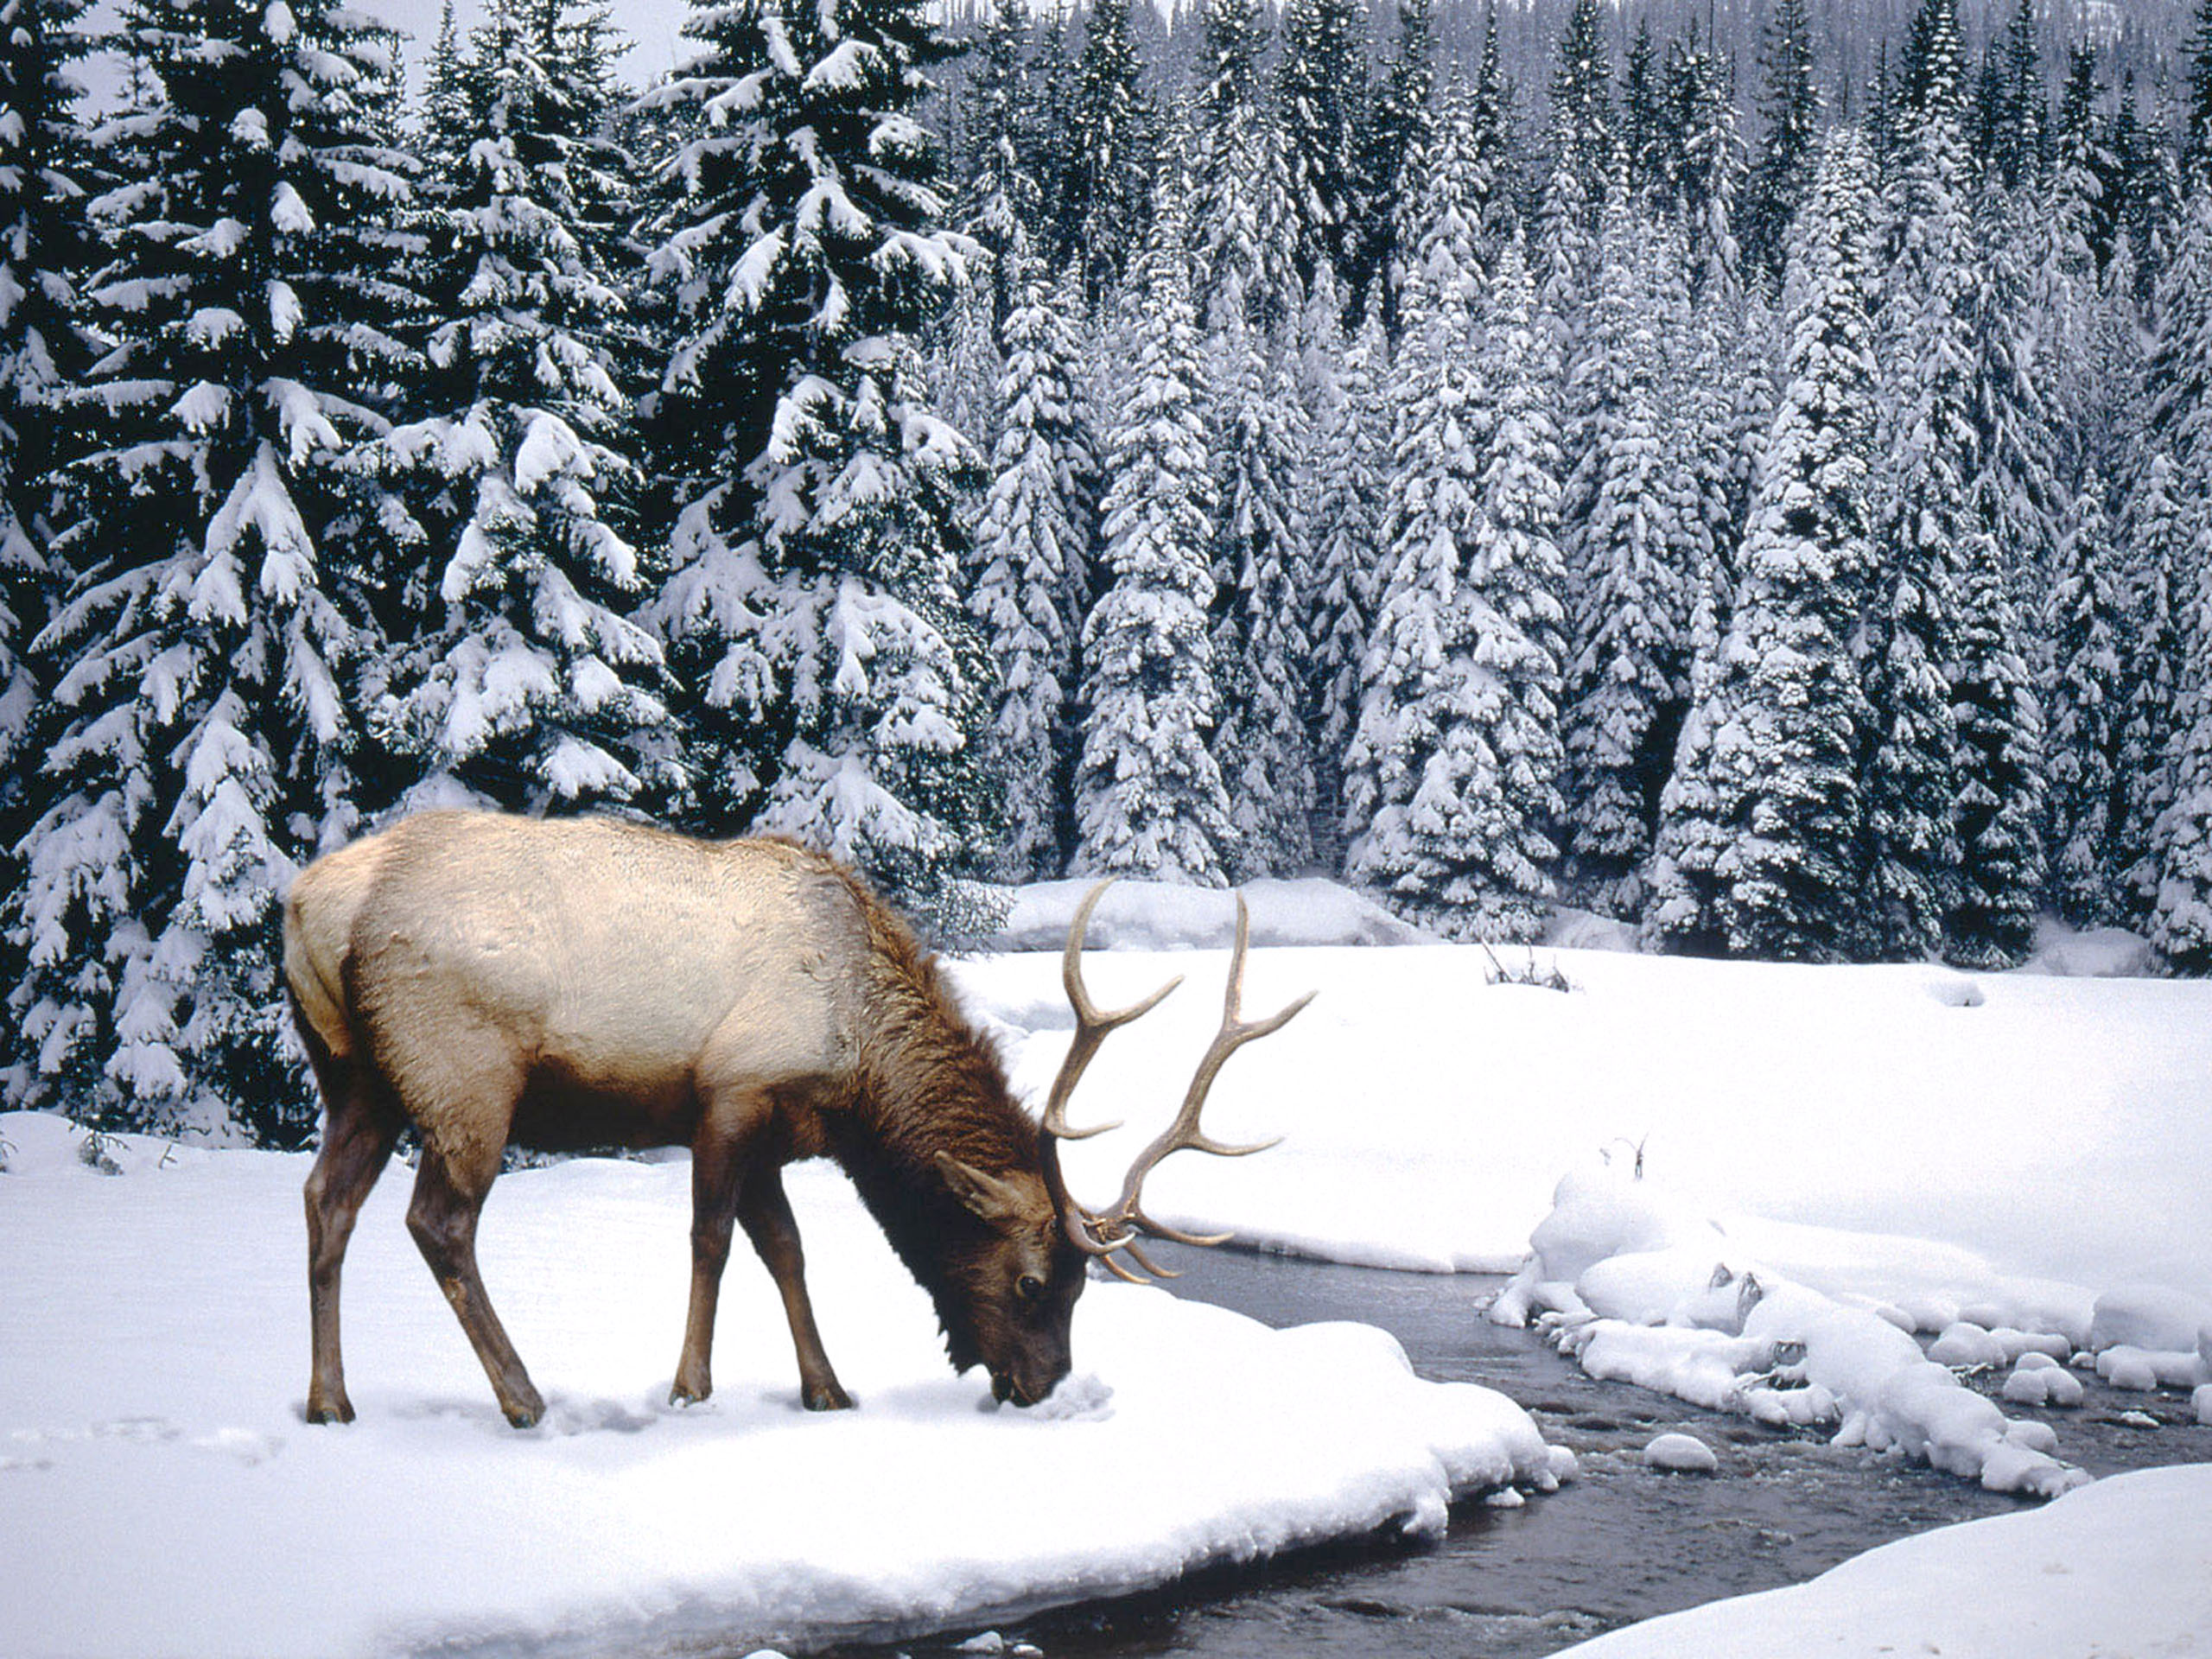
{"x": 1305, "y": 448}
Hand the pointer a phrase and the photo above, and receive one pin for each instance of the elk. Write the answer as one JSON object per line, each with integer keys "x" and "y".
{"x": 498, "y": 982}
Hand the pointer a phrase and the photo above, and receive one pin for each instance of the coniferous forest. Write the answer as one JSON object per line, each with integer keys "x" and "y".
{"x": 1761, "y": 497}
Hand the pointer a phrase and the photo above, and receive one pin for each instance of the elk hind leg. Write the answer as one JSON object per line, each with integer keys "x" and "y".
{"x": 449, "y": 1192}
{"x": 360, "y": 1128}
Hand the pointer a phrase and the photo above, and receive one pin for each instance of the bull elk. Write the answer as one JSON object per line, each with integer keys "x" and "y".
{"x": 496, "y": 981}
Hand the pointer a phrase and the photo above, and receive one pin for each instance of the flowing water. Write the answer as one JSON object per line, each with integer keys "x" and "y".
{"x": 1619, "y": 1544}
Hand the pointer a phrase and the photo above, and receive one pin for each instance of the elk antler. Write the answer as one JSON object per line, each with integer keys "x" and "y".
{"x": 1104, "y": 1234}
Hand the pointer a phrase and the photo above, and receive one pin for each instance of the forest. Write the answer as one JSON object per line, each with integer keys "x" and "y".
{"x": 1754, "y": 491}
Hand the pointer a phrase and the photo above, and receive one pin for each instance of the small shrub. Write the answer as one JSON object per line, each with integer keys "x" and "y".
{"x": 1548, "y": 978}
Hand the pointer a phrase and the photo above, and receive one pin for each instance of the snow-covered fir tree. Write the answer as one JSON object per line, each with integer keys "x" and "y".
{"x": 1789, "y": 116}
{"x": 836, "y": 689}
{"x": 2088, "y": 716}
{"x": 1397, "y": 137}
{"x": 46, "y": 252}
{"x": 1761, "y": 843}
{"x": 1263, "y": 572}
{"x": 1149, "y": 798}
{"x": 1929, "y": 447}
{"x": 1452, "y": 784}
{"x": 1636, "y": 559}
{"x": 1030, "y": 555}
{"x": 217, "y": 596}
{"x": 1991, "y": 920}
{"x": 1348, "y": 460}
{"x": 2157, "y": 532}
{"x": 1112, "y": 136}
{"x": 1319, "y": 81}
{"x": 533, "y": 688}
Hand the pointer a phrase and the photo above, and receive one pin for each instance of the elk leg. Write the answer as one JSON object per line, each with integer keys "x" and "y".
{"x": 448, "y": 1197}
{"x": 715, "y": 1162}
{"x": 769, "y": 1224}
{"x": 358, "y": 1135}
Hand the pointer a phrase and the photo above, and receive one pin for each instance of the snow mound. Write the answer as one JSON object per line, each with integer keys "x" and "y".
{"x": 1676, "y": 1310}
{"x": 2121, "y": 1565}
{"x": 1684, "y": 1454}
{"x": 1158, "y": 915}
{"x": 158, "y": 1408}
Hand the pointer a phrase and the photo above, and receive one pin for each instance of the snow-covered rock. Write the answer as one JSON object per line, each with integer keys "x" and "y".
{"x": 1679, "y": 1453}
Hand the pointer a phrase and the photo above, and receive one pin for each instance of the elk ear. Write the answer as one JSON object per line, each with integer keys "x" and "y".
{"x": 989, "y": 1197}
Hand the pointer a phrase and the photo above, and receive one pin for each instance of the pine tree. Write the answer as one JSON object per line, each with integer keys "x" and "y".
{"x": 217, "y": 594}
{"x": 1454, "y": 771}
{"x": 2088, "y": 714}
{"x": 1706, "y": 160}
{"x": 1149, "y": 798}
{"x": 836, "y": 689}
{"x": 1003, "y": 203}
{"x": 533, "y": 689}
{"x": 1992, "y": 922}
{"x": 1318, "y": 81}
{"x": 1790, "y": 111}
{"x": 2196, "y": 107}
{"x": 1112, "y": 136}
{"x": 1761, "y": 845}
{"x": 1262, "y": 576}
{"x": 1635, "y": 554}
{"x": 1584, "y": 142}
{"x": 1400, "y": 133}
{"x": 2179, "y": 424}
{"x": 1929, "y": 448}
{"x": 2157, "y": 531}
{"x": 1242, "y": 222}
{"x": 1029, "y": 553}
{"x": 1349, "y": 462}
{"x": 46, "y": 252}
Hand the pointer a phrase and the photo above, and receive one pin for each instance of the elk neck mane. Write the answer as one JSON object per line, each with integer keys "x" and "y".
{"x": 926, "y": 1082}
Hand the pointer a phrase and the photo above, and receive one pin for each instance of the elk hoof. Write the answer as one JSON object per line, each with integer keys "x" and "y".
{"x": 689, "y": 1394}
{"x": 525, "y": 1411}
{"x": 321, "y": 1410}
{"x": 825, "y": 1397}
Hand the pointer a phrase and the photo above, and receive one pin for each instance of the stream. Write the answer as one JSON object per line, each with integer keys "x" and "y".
{"x": 1619, "y": 1543}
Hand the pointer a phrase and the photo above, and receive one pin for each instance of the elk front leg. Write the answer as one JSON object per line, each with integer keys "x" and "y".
{"x": 357, "y": 1137}
{"x": 769, "y": 1225}
{"x": 448, "y": 1197}
{"x": 717, "y": 1159}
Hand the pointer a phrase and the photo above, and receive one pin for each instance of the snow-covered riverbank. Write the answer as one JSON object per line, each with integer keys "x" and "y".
{"x": 1916, "y": 1146}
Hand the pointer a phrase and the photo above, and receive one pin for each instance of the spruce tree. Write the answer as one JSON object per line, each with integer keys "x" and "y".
{"x": 2089, "y": 715}
{"x": 1991, "y": 920}
{"x": 1030, "y": 552}
{"x": 1762, "y": 840}
{"x": 1398, "y": 138}
{"x": 1929, "y": 463}
{"x": 2158, "y": 527}
{"x": 835, "y": 689}
{"x": 46, "y": 252}
{"x": 532, "y": 689}
{"x": 1149, "y": 798}
{"x": 1319, "y": 82}
{"x": 1348, "y": 461}
{"x": 1789, "y": 113}
{"x": 1112, "y": 139}
{"x": 217, "y": 594}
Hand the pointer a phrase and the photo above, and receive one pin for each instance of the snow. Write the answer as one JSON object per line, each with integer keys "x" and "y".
{"x": 158, "y": 1408}
{"x": 2130, "y": 1554}
{"x": 1681, "y": 1454}
{"x": 1832, "y": 1157}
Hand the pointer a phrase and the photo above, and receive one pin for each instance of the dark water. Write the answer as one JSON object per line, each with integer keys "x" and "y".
{"x": 1620, "y": 1543}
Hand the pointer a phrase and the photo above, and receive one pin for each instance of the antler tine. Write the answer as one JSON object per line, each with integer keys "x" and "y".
{"x": 1235, "y": 1032}
{"x": 1091, "y": 1026}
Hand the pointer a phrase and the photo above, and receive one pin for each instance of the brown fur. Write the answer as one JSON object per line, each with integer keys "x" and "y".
{"x": 496, "y": 981}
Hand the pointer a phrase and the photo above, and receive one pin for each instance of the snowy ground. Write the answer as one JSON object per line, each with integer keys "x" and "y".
{"x": 2023, "y": 1162}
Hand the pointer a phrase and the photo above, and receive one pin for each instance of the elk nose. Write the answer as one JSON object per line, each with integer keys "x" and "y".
{"x": 1002, "y": 1388}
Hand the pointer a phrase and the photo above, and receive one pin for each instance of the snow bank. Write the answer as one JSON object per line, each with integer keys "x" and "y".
{"x": 1157, "y": 916}
{"x": 2122, "y": 1567}
{"x": 1638, "y": 1289}
{"x": 1945, "y": 1145}
{"x": 160, "y": 1493}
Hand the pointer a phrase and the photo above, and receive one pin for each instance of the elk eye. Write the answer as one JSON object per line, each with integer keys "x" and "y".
{"x": 1029, "y": 1287}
